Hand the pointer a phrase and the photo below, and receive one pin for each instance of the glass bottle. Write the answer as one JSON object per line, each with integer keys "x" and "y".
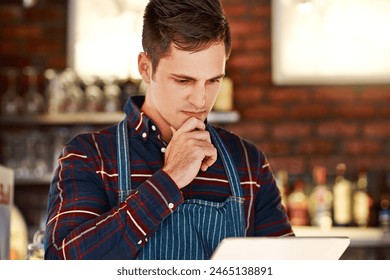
{"x": 282, "y": 183}
{"x": 11, "y": 101}
{"x": 34, "y": 101}
{"x": 361, "y": 201}
{"x": 342, "y": 198}
{"x": 321, "y": 199}
{"x": 224, "y": 101}
{"x": 35, "y": 250}
{"x": 298, "y": 205}
{"x": 384, "y": 203}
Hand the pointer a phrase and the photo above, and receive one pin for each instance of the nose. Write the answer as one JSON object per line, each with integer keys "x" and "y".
{"x": 197, "y": 96}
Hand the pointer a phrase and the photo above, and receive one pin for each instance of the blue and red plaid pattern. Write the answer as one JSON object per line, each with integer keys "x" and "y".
{"x": 85, "y": 220}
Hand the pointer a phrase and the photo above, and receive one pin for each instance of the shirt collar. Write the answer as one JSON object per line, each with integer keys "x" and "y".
{"x": 136, "y": 119}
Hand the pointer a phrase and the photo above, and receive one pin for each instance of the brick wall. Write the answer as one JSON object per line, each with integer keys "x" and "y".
{"x": 302, "y": 126}
{"x": 32, "y": 37}
{"x": 296, "y": 126}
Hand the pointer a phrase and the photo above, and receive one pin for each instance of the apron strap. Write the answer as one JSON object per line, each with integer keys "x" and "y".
{"x": 231, "y": 170}
{"x": 123, "y": 158}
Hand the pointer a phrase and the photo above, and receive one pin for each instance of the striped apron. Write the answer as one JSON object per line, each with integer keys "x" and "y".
{"x": 197, "y": 226}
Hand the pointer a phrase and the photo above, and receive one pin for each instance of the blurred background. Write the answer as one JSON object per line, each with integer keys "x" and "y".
{"x": 308, "y": 82}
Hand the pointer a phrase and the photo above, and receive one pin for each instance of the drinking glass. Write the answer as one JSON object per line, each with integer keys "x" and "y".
{"x": 11, "y": 101}
{"x": 34, "y": 101}
{"x": 75, "y": 97}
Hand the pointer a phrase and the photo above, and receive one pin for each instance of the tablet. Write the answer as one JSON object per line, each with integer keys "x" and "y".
{"x": 281, "y": 248}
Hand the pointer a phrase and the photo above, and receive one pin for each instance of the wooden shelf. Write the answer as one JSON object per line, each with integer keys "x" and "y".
{"x": 65, "y": 119}
{"x": 38, "y": 181}
{"x": 97, "y": 119}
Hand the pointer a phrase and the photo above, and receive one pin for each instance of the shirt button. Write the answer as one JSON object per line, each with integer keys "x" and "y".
{"x": 171, "y": 205}
{"x": 140, "y": 242}
{"x": 144, "y": 135}
{"x": 153, "y": 128}
{"x": 163, "y": 150}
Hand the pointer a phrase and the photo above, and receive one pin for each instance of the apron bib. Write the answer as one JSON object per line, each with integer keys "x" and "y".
{"x": 197, "y": 226}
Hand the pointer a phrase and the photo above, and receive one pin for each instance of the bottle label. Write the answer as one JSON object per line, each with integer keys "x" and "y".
{"x": 342, "y": 203}
{"x": 361, "y": 208}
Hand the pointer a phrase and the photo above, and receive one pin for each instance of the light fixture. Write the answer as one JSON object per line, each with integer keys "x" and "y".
{"x": 29, "y": 3}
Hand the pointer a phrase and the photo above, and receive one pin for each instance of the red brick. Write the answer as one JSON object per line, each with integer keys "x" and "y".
{"x": 377, "y": 129}
{"x": 287, "y": 94}
{"x": 376, "y": 94}
{"x": 355, "y": 111}
{"x": 11, "y": 13}
{"x": 261, "y": 77}
{"x": 293, "y": 164}
{"x": 235, "y": 10}
{"x": 251, "y": 43}
{"x": 315, "y": 147}
{"x": 334, "y": 93}
{"x": 262, "y": 10}
{"x": 309, "y": 111}
{"x": 332, "y": 129}
{"x": 44, "y": 15}
{"x": 291, "y": 130}
{"x": 275, "y": 148}
{"x": 250, "y": 61}
{"x": 56, "y": 62}
{"x": 44, "y": 47}
{"x": 248, "y": 130}
{"x": 383, "y": 111}
{"x": 362, "y": 147}
{"x": 247, "y": 27}
{"x": 263, "y": 112}
{"x": 9, "y": 47}
{"x": 21, "y": 32}
{"x": 245, "y": 95}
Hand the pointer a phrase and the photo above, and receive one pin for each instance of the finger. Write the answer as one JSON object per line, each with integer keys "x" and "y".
{"x": 192, "y": 124}
{"x": 200, "y": 135}
{"x": 209, "y": 160}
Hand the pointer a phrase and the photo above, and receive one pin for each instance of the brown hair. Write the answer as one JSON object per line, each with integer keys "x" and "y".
{"x": 189, "y": 25}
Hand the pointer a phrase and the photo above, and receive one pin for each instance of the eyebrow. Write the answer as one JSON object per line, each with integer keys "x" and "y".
{"x": 186, "y": 77}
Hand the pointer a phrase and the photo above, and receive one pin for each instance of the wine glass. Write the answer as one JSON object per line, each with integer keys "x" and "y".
{"x": 94, "y": 96}
{"x": 11, "y": 101}
{"x": 54, "y": 92}
{"x": 75, "y": 97}
{"x": 112, "y": 94}
{"x": 35, "y": 103}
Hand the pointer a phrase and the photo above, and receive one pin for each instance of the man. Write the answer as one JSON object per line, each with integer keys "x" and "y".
{"x": 163, "y": 183}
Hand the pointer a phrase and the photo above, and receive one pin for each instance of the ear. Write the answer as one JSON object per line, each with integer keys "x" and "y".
{"x": 145, "y": 67}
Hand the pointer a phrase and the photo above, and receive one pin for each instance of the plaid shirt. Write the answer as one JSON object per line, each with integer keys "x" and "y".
{"x": 85, "y": 220}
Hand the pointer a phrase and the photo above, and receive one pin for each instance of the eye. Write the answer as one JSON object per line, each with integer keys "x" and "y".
{"x": 214, "y": 81}
{"x": 182, "y": 81}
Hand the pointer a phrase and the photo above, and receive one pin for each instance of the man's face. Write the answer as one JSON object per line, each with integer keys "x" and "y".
{"x": 185, "y": 85}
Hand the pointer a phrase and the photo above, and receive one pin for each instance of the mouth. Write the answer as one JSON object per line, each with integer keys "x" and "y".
{"x": 197, "y": 114}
